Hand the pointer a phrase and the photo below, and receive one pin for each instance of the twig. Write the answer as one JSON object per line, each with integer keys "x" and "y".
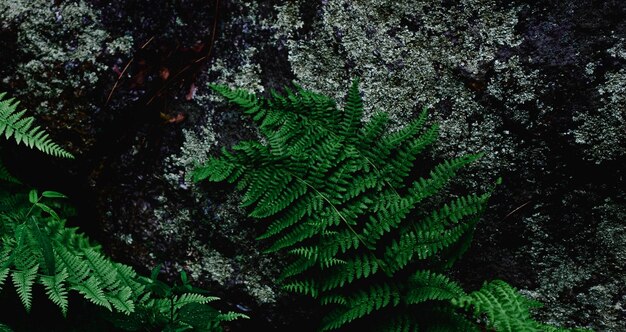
{"x": 516, "y": 209}
{"x": 213, "y": 31}
{"x": 125, "y": 69}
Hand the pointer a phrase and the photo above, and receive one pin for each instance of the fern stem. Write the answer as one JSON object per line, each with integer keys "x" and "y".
{"x": 332, "y": 205}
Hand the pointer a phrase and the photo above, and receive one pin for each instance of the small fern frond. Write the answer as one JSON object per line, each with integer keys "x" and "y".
{"x": 92, "y": 291}
{"x": 187, "y": 298}
{"x": 306, "y": 287}
{"x": 129, "y": 279}
{"x": 352, "y": 113}
{"x": 214, "y": 170}
{"x": 6, "y": 176}
{"x": 363, "y": 303}
{"x": 239, "y": 97}
{"x": 122, "y": 300}
{"x": 361, "y": 266}
{"x": 101, "y": 268}
{"x": 505, "y": 309}
{"x": 13, "y": 124}
{"x": 56, "y": 289}
{"x": 425, "y": 285}
{"x": 4, "y": 272}
{"x": 23, "y": 281}
{"x": 231, "y": 316}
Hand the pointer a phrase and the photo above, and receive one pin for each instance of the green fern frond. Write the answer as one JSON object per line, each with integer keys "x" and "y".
{"x": 92, "y": 290}
{"x": 101, "y": 268}
{"x": 13, "y": 124}
{"x": 6, "y": 176}
{"x": 361, "y": 266}
{"x": 231, "y": 316}
{"x": 505, "y": 309}
{"x": 77, "y": 268}
{"x": 425, "y": 285}
{"x": 363, "y": 303}
{"x": 187, "y": 298}
{"x": 128, "y": 279}
{"x": 4, "y": 273}
{"x": 352, "y": 112}
{"x": 239, "y": 97}
{"x": 23, "y": 281}
{"x": 306, "y": 287}
{"x": 122, "y": 300}
{"x": 333, "y": 299}
{"x": 339, "y": 195}
{"x": 56, "y": 289}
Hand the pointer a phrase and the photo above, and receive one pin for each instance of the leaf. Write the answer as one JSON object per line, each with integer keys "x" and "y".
{"x": 32, "y": 196}
{"x": 44, "y": 244}
{"x": 183, "y": 277}
{"x": 192, "y": 298}
{"x": 4, "y": 272}
{"x": 49, "y": 210}
{"x": 155, "y": 272}
{"x": 23, "y": 281}
{"x": 92, "y": 290}
{"x": 52, "y": 194}
{"x": 198, "y": 315}
{"x": 122, "y": 301}
{"x": 56, "y": 289}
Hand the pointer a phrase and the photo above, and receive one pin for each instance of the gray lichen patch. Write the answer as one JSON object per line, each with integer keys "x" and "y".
{"x": 561, "y": 272}
{"x": 611, "y": 231}
{"x": 602, "y": 132}
{"x": 195, "y": 150}
{"x": 61, "y": 46}
{"x": 408, "y": 56}
{"x": 236, "y": 262}
{"x": 59, "y": 60}
{"x": 403, "y": 52}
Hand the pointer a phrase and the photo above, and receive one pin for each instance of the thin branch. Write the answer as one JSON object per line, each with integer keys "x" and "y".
{"x": 119, "y": 78}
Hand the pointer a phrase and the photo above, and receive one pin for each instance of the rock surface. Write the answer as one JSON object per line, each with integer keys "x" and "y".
{"x": 540, "y": 88}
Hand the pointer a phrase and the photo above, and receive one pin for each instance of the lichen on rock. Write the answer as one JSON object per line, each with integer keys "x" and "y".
{"x": 602, "y": 132}
{"x": 61, "y": 59}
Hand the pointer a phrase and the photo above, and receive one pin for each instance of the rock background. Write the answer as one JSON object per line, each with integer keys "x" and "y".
{"x": 540, "y": 88}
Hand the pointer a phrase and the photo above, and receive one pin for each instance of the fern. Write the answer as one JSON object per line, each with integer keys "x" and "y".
{"x": 23, "y": 281}
{"x": 56, "y": 289}
{"x": 174, "y": 308}
{"x": 47, "y": 253}
{"x": 6, "y": 176}
{"x": 37, "y": 249}
{"x": 343, "y": 198}
{"x": 504, "y": 307}
{"x": 13, "y": 124}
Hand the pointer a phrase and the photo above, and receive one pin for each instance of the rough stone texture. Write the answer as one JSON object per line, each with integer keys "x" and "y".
{"x": 540, "y": 88}
{"x": 57, "y": 58}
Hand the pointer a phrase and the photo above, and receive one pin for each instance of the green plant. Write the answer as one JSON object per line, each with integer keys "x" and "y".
{"x": 181, "y": 307}
{"x": 349, "y": 202}
{"x": 14, "y": 124}
{"x": 36, "y": 248}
